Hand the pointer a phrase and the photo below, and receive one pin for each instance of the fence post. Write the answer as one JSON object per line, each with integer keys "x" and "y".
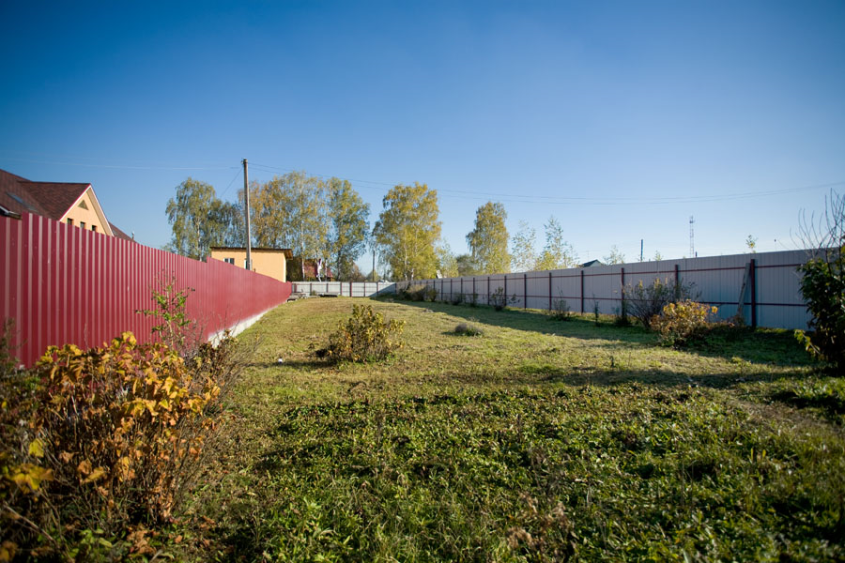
{"x": 506, "y": 288}
{"x": 753, "y": 275}
{"x": 488, "y": 290}
{"x": 550, "y": 290}
{"x": 582, "y": 291}
{"x": 622, "y": 302}
{"x": 524, "y": 291}
{"x": 462, "y": 289}
{"x": 677, "y": 275}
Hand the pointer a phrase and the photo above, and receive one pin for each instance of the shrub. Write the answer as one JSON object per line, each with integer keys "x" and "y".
{"x": 174, "y": 326}
{"x": 499, "y": 300}
{"x": 418, "y": 292}
{"x": 823, "y": 288}
{"x": 560, "y": 310}
{"x": 365, "y": 337}
{"x": 97, "y": 441}
{"x": 681, "y": 322}
{"x": 464, "y": 329}
{"x": 457, "y": 298}
{"x": 644, "y": 302}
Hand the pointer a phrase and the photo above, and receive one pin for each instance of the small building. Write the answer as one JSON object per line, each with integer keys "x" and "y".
{"x": 591, "y": 264}
{"x": 268, "y": 261}
{"x": 71, "y": 203}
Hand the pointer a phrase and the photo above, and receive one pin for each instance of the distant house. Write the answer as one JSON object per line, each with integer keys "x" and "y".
{"x": 74, "y": 204}
{"x": 591, "y": 264}
{"x": 268, "y": 261}
{"x": 310, "y": 269}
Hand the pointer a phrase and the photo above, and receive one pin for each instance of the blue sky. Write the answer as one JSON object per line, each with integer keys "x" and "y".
{"x": 621, "y": 119}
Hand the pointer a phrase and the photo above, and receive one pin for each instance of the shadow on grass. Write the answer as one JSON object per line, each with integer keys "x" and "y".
{"x": 760, "y": 346}
{"x": 295, "y": 364}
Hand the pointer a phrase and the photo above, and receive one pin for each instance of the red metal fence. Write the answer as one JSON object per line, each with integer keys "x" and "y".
{"x": 62, "y": 284}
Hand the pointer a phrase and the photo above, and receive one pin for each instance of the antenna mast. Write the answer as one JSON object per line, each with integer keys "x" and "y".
{"x": 691, "y": 237}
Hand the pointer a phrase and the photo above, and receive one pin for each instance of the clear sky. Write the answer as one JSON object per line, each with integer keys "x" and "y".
{"x": 621, "y": 119}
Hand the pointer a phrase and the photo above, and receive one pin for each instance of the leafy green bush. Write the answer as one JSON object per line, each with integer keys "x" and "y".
{"x": 365, "y": 337}
{"x": 644, "y": 302}
{"x": 682, "y": 322}
{"x": 823, "y": 288}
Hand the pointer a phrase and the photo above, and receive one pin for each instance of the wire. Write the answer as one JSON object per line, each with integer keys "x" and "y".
{"x": 560, "y": 200}
{"x": 120, "y": 167}
{"x": 238, "y": 173}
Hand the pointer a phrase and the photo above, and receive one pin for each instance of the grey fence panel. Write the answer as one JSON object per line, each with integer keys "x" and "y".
{"x": 345, "y": 289}
{"x": 772, "y": 296}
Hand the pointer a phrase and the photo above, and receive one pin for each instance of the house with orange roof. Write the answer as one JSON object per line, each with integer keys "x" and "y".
{"x": 72, "y": 203}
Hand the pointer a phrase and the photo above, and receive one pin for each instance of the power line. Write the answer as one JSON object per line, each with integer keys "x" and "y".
{"x": 608, "y": 200}
{"x": 119, "y": 166}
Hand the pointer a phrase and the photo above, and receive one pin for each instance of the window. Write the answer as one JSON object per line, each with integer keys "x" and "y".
{"x": 83, "y": 205}
{"x": 229, "y": 261}
{"x": 70, "y": 221}
{"x": 94, "y": 228}
{"x": 82, "y": 224}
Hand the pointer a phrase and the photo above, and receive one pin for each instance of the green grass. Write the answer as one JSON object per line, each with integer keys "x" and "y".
{"x": 536, "y": 441}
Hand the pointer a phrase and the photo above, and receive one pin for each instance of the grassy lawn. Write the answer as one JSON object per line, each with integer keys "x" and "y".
{"x": 536, "y": 441}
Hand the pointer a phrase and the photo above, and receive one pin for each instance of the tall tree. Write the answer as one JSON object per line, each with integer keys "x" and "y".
{"x": 290, "y": 211}
{"x": 523, "y": 253}
{"x": 488, "y": 241}
{"x": 557, "y": 253}
{"x": 349, "y": 216}
{"x": 447, "y": 264}
{"x": 408, "y": 229}
{"x": 198, "y": 219}
{"x": 466, "y": 265}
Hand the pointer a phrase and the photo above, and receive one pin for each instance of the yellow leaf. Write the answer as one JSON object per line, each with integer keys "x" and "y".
{"x": 66, "y": 457}
{"x": 36, "y": 448}
{"x": 31, "y": 476}
{"x": 96, "y": 474}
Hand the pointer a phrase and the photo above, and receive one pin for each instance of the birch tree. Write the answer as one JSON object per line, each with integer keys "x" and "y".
{"x": 348, "y": 215}
{"x": 557, "y": 253}
{"x": 523, "y": 253}
{"x": 407, "y": 231}
{"x": 488, "y": 241}
{"x": 290, "y": 211}
{"x": 198, "y": 219}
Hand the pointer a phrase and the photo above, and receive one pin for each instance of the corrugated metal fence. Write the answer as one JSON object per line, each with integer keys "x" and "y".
{"x": 769, "y": 282}
{"x": 345, "y": 289}
{"x": 62, "y": 284}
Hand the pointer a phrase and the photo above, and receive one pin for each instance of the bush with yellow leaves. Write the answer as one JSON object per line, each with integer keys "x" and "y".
{"x": 95, "y": 441}
{"x": 679, "y": 323}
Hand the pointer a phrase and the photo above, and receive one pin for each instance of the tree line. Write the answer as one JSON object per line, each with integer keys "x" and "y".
{"x": 327, "y": 220}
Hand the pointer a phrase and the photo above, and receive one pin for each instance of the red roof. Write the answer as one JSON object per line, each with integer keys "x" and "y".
{"x": 48, "y": 199}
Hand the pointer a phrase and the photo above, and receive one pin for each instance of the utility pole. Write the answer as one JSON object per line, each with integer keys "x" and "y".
{"x": 641, "y": 250}
{"x": 248, "y": 231}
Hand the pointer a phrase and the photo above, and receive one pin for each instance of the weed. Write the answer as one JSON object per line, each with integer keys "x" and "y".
{"x": 464, "y": 329}
{"x": 560, "y": 310}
